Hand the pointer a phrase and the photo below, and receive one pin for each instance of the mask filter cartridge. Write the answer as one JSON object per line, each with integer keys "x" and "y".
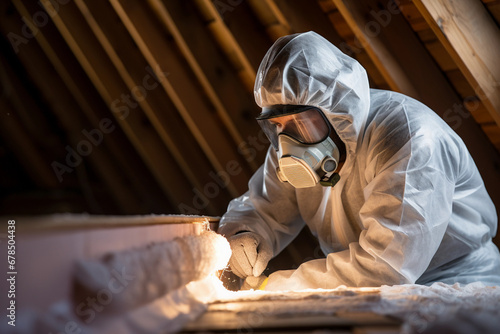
{"x": 306, "y": 165}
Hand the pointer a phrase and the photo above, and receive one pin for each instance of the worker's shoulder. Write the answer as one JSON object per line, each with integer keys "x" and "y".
{"x": 392, "y": 110}
{"x": 396, "y": 121}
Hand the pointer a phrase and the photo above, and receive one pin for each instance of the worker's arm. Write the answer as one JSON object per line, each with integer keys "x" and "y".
{"x": 268, "y": 208}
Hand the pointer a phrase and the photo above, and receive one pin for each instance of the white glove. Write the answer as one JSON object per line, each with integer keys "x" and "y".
{"x": 251, "y": 253}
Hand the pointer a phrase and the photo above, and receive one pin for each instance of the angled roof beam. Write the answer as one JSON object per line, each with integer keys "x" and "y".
{"x": 472, "y": 38}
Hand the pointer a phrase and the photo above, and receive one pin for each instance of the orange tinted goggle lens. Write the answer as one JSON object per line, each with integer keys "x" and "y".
{"x": 308, "y": 125}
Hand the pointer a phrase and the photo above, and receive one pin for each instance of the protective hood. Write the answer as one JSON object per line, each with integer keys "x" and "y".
{"x": 306, "y": 69}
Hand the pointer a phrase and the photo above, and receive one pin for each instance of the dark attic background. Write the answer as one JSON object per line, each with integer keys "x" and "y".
{"x": 140, "y": 107}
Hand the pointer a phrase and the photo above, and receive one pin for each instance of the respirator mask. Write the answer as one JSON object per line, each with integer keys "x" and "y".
{"x": 301, "y": 135}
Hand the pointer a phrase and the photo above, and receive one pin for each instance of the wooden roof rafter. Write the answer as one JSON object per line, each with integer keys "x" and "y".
{"x": 458, "y": 25}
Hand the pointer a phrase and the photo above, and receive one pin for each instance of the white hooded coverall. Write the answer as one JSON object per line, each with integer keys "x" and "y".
{"x": 410, "y": 206}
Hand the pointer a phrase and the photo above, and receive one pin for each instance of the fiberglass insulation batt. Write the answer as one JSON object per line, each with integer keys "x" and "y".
{"x": 152, "y": 271}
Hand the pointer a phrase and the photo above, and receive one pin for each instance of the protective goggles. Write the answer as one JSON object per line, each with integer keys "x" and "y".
{"x": 306, "y": 124}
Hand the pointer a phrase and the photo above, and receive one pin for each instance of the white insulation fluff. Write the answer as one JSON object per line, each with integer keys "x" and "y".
{"x": 152, "y": 271}
{"x": 166, "y": 285}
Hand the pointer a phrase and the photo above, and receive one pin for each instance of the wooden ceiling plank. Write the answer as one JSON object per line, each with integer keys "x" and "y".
{"x": 227, "y": 42}
{"x": 472, "y": 38}
{"x": 130, "y": 65}
{"x": 340, "y": 24}
{"x": 271, "y": 18}
{"x": 460, "y": 83}
{"x": 166, "y": 19}
{"x": 306, "y": 15}
{"x": 441, "y": 56}
{"x": 412, "y": 15}
{"x": 448, "y": 65}
{"x": 492, "y": 132}
{"x": 494, "y": 9}
{"x": 351, "y": 45}
{"x": 195, "y": 39}
{"x": 327, "y": 6}
{"x": 62, "y": 104}
{"x": 185, "y": 94}
{"x": 426, "y": 35}
{"x": 478, "y": 111}
{"x": 95, "y": 110}
{"x": 356, "y": 15}
{"x": 102, "y": 74}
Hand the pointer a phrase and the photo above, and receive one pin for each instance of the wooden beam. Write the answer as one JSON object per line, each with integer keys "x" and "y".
{"x": 493, "y": 7}
{"x": 442, "y": 57}
{"x": 227, "y": 42}
{"x": 217, "y": 75}
{"x": 472, "y": 38}
{"x": 351, "y": 45}
{"x": 478, "y": 110}
{"x": 367, "y": 29}
{"x": 449, "y": 66}
{"x": 183, "y": 92}
{"x": 494, "y": 135}
{"x": 146, "y": 191}
{"x": 128, "y": 115}
{"x": 66, "y": 111}
{"x": 160, "y": 111}
{"x": 271, "y": 18}
{"x": 165, "y": 18}
{"x": 306, "y": 15}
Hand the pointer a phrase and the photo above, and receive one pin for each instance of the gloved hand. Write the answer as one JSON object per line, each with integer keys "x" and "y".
{"x": 251, "y": 253}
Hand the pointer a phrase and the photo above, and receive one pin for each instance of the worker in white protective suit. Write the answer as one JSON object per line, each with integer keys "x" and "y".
{"x": 387, "y": 187}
